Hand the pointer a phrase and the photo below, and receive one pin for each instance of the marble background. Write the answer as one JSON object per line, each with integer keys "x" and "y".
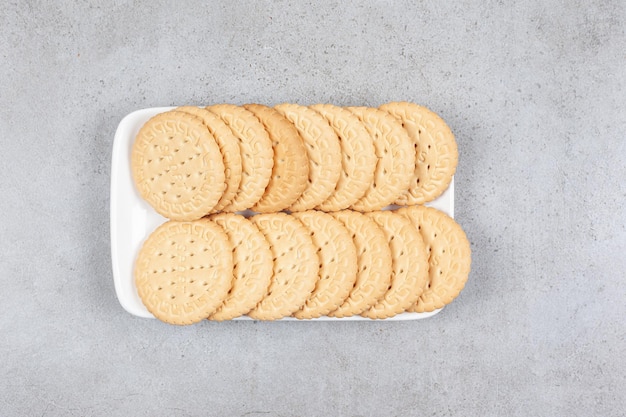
{"x": 534, "y": 92}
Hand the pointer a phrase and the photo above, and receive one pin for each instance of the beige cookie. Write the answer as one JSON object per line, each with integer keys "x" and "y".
{"x": 358, "y": 160}
{"x": 177, "y": 166}
{"x": 409, "y": 274}
{"x": 184, "y": 270}
{"x": 337, "y": 264}
{"x": 323, "y": 152}
{"x": 435, "y": 149}
{"x": 229, "y": 148}
{"x": 449, "y": 256}
{"x": 252, "y": 266}
{"x": 396, "y": 159}
{"x": 295, "y": 266}
{"x": 373, "y": 263}
{"x": 256, "y": 154}
{"x": 291, "y": 165}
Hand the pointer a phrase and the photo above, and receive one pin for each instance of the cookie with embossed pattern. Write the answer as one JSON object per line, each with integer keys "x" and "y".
{"x": 435, "y": 149}
{"x": 257, "y": 156}
{"x": 337, "y": 264}
{"x": 295, "y": 266}
{"x": 252, "y": 266}
{"x": 177, "y": 166}
{"x": 229, "y": 148}
{"x": 323, "y": 152}
{"x": 291, "y": 165}
{"x": 373, "y": 263}
{"x": 396, "y": 159}
{"x": 184, "y": 270}
{"x": 409, "y": 274}
{"x": 358, "y": 157}
{"x": 449, "y": 256}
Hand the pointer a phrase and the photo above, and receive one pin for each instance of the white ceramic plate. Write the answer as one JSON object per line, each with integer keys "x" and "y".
{"x": 132, "y": 219}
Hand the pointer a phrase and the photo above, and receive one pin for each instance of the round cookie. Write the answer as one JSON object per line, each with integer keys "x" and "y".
{"x": 229, "y": 148}
{"x": 409, "y": 265}
{"x": 183, "y": 271}
{"x": 323, "y": 151}
{"x": 256, "y": 154}
{"x": 295, "y": 266}
{"x": 358, "y": 157}
{"x": 373, "y": 263}
{"x": 291, "y": 166}
{"x": 177, "y": 166}
{"x": 435, "y": 149}
{"x": 449, "y": 256}
{"x": 252, "y": 266}
{"x": 396, "y": 159}
{"x": 337, "y": 264}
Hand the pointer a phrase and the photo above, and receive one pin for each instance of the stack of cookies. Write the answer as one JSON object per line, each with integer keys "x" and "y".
{"x": 312, "y": 182}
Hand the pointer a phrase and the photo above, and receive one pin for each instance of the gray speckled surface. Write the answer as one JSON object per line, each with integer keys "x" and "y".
{"x": 535, "y": 95}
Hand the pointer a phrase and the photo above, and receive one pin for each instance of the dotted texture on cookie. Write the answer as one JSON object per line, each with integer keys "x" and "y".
{"x": 373, "y": 263}
{"x": 323, "y": 152}
{"x": 396, "y": 159}
{"x": 256, "y": 154}
{"x": 435, "y": 149}
{"x": 449, "y": 256}
{"x": 184, "y": 270}
{"x": 291, "y": 165}
{"x": 358, "y": 157}
{"x": 409, "y": 274}
{"x": 229, "y": 148}
{"x": 337, "y": 264}
{"x": 177, "y": 166}
{"x": 295, "y": 266}
{"x": 252, "y": 266}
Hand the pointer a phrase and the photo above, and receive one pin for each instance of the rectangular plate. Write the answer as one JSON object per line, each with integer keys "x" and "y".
{"x": 132, "y": 219}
